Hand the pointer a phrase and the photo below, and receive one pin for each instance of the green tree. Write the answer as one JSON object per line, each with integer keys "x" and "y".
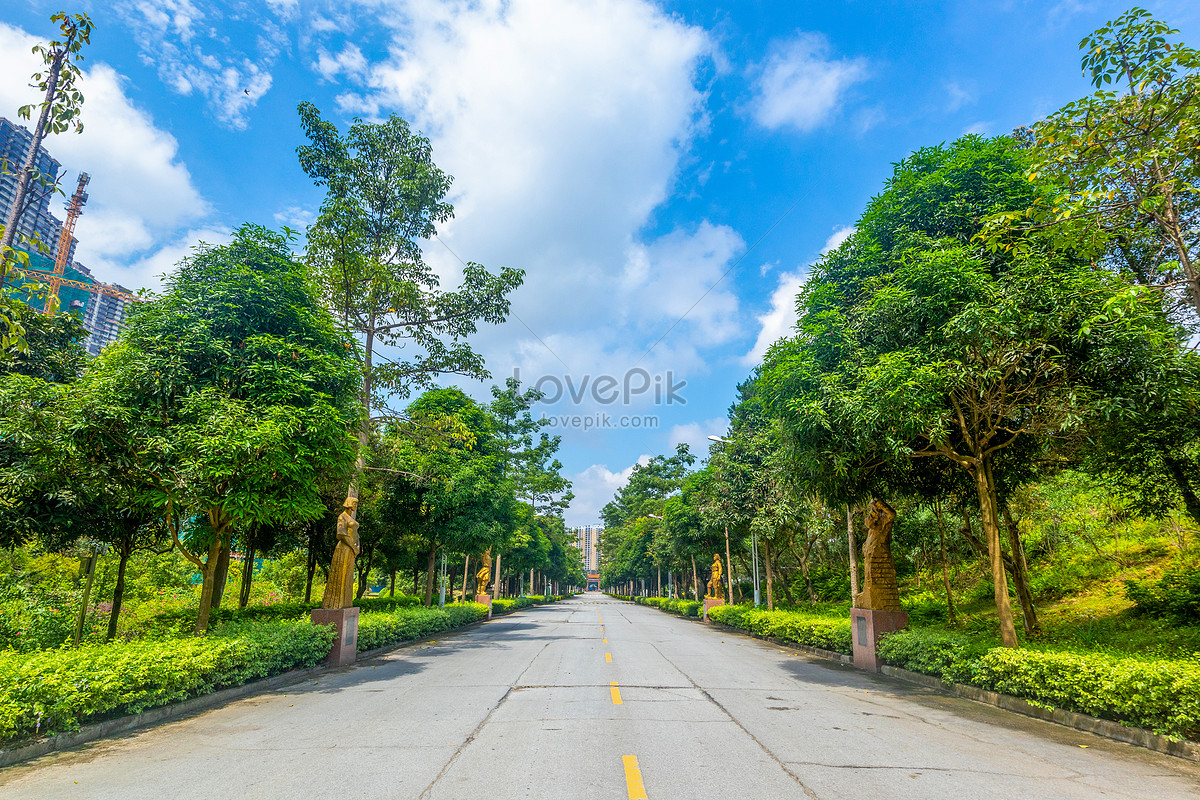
{"x": 60, "y": 110}
{"x": 385, "y": 196}
{"x": 1124, "y": 163}
{"x": 229, "y": 396}
{"x": 915, "y": 344}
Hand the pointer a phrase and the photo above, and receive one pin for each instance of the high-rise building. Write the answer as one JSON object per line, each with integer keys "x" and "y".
{"x": 587, "y": 539}
{"x": 37, "y": 221}
{"x": 102, "y": 307}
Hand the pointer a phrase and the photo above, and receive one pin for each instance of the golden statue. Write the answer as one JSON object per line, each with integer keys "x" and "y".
{"x": 339, "y": 589}
{"x": 880, "y": 590}
{"x": 484, "y": 574}
{"x": 714, "y": 583}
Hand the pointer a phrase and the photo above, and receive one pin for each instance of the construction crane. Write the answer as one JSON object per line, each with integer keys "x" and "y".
{"x": 62, "y": 254}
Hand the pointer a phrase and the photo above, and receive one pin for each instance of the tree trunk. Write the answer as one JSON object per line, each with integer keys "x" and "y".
{"x": 364, "y": 573}
{"x": 496, "y": 582}
{"x": 695, "y": 580}
{"x": 1190, "y": 501}
{"x": 247, "y": 571}
{"x": 221, "y": 576}
{"x": 27, "y": 170}
{"x": 986, "y": 489}
{"x": 937, "y": 507}
{"x": 431, "y": 565}
{"x": 312, "y": 563}
{"x": 1021, "y": 574}
{"x": 392, "y": 584}
{"x": 466, "y": 576}
{"x": 853, "y": 555}
{"x": 208, "y": 573}
{"x": 126, "y": 550}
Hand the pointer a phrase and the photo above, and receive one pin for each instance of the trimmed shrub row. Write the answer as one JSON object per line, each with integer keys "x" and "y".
{"x": 52, "y": 691}
{"x": 1162, "y": 695}
{"x": 182, "y": 621}
{"x": 791, "y": 626}
{"x": 378, "y": 629}
{"x": 684, "y": 608}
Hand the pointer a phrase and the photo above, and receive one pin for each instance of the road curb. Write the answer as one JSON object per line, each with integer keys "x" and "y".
{"x": 205, "y": 702}
{"x": 1082, "y": 722}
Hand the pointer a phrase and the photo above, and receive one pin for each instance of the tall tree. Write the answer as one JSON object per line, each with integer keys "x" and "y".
{"x": 1123, "y": 163}
{"x": 60, "y": 110}
{"x": 385, "y": 197}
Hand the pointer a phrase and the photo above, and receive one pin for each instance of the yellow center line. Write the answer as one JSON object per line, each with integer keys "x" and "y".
{"x": 633, "y": 778}
{"x": 615, "y": 692}
{"x": 606, "y": 641}
{"x": 608, "y": 657}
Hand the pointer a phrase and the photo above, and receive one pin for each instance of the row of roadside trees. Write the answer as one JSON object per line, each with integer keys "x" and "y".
{"x": 1005, "y": 310}
{"x": 262, "y": 386}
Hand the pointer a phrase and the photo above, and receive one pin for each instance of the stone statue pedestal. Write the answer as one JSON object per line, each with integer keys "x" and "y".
{"x": 867, "y": 627}
{"x": 345, "y": 623}
{"x": 486, "y": 599}
{"x": 712, "y": 602}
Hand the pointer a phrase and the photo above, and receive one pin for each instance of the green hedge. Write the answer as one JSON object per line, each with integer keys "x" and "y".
{"x": 685, "y": 608}
{"x": 52, "y": 691}
{"x": 1162, "y": 695}
{"x": 182, "y": 621}
{"x": 792, "y": 626}
{"x": 377, "y": 629}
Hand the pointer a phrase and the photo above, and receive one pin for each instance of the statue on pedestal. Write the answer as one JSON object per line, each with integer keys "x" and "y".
{"x": 339, "y": 589}
{"x": 484, "y": 575}
{"x": 880, "y": 589}
{"x": 715, "y": 589}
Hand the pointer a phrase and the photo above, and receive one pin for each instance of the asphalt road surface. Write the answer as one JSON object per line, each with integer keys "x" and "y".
{"x": 595, "y": 698}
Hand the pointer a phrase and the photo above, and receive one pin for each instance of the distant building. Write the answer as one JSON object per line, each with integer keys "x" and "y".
{"x": 587, "y": 539}
{"x": 102, "y": 307}
{"x": 37, "y": 221}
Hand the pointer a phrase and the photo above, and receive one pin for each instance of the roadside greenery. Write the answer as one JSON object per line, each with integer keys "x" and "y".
{"x": 1162, "y": 695}
{"x": 53, "y": 691}
{"x": 380, "y": 629}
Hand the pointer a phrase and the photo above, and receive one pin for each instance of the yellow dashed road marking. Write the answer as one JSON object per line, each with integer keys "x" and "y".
{"x": 608, "y": 657}
{"x": 633, "y": 778}
{"x": 615, "y": 692}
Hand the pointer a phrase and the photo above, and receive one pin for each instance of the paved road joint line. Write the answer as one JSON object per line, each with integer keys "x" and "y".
{"x": 633, "y": 778}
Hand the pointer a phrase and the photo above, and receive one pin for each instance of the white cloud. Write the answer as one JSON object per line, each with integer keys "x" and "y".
{"x": 958, "y": 96}
{"x": 800, "y": 86}
{"x": 295, "y": 217}
{"x": 181, "y": 41}
{"x": 349, "y": 62}
{"x": 981, "y": 128}
{"x": 695, "y": 434}
{"x": 836, "y": 238}
{"x": 564, "y": 123}
{"x": 147, "y": 271}
{"x": 140, "y": 191}
{"x": 780, "y": 319}
{"x": 594, "y": 488}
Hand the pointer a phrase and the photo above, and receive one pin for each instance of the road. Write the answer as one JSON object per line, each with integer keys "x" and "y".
{"x": 595, "y": 698}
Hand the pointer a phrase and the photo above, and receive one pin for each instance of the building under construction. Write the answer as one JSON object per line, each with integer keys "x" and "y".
{"x": 101, "y": 307}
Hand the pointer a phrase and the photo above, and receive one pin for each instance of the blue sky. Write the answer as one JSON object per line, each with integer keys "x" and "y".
{"x": 648, "y": 164}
